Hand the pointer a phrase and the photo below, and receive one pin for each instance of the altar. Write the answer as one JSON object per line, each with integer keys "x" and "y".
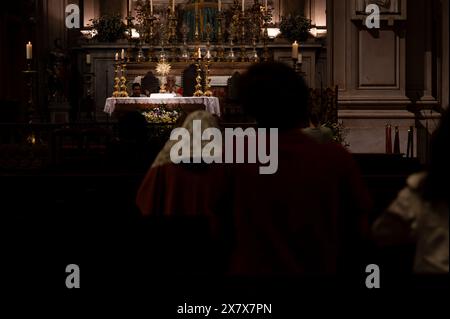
{"x": 188, "y": 104}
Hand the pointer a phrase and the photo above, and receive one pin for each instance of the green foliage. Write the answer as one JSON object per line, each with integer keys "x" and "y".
{"x": 109, "y": 28}
{"x": 295, "y": 28}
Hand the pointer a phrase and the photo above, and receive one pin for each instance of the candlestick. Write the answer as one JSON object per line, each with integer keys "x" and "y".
{"x": 295, "y": 50}
{"x": 29, "y": 50}
{"x": 388, "y": 139}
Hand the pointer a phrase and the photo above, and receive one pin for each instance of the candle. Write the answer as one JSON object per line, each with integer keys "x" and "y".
{"x": 88, "y": 58}
{"x": 29, "y": 50}
{"x": 243, "y": 5}
{"x": 295, "y": 50}
{"x": 122, "y": 54}
{"x": 266, "y": 5}
{"x": 208, "y": 55}
{"x": 300, "y": 58}
{"x": 173, "y": 6}
{"x": 219, "y": 5}
{"x": 199, "y": 53}
{"x": 117, "y": 56}
{"x": 151, "y": 7}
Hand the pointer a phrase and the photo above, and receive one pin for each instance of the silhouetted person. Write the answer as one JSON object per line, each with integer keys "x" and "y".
{"x": 420, "y": 212}
{"x": 311, "y": 215}
{"x": 188, "y": 195}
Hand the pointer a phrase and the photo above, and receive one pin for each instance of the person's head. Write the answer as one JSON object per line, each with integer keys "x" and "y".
{"x": 136, "y": 87}
{"x": 436, "y": 185}
{"x": 170, "y": 81}
{"x": 207, "y": 121}
{"x": 275, "y": 95}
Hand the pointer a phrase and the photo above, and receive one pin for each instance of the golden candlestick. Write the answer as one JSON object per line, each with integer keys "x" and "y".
{"x": 198, "y": 79}
{"x": 123, "y": 81}
{"x": 208, "y": 91}
{"x": 116, "y": 88}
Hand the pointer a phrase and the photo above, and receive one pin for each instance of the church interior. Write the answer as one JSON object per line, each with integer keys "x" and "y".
{"x": 96, "y": 88}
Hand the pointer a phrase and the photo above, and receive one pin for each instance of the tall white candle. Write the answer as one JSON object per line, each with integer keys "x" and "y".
{"x": 295, "y": 50}
{"x": 122, "y": 54}
{"x": 219, "y": 5}
{"x": 117, "y": 56}
{"x": 88, "y": 58}
{"x": 243, "y": 5}
{"x": 266, "y": 5}
{"x": 300, "y": 58}
{"x": 173, "y": 5}
{"x": 151, "y": 7}
{"x": 29, "y": 50}
{"x": 199, "y": 53}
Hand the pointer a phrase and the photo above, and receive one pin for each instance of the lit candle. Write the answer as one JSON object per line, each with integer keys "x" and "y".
{"x": 88, "y": 58}
{"x": 208, "y": 55}
{"x": 122, "y": 54}
{"x": 117, "y": 56}
{"x": 29, "y": 48}
{"x": 243, "y": 5}
{"x": 219, "y": 5}
{"x": 199, "y": 53}
{"x": 295, "y": 50}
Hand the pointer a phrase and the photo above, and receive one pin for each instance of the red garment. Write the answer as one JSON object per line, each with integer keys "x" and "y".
{"x": 299, "y": 220}
{"x": 303, "y": 218}
{"x": 184, "y": 189}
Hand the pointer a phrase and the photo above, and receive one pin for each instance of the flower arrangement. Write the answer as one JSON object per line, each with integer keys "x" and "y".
{"x": 163, "y": 115}
{"x": 295, "y": 28}
{"x": 109, "y": 28}
{"x": 340, "y": 132}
